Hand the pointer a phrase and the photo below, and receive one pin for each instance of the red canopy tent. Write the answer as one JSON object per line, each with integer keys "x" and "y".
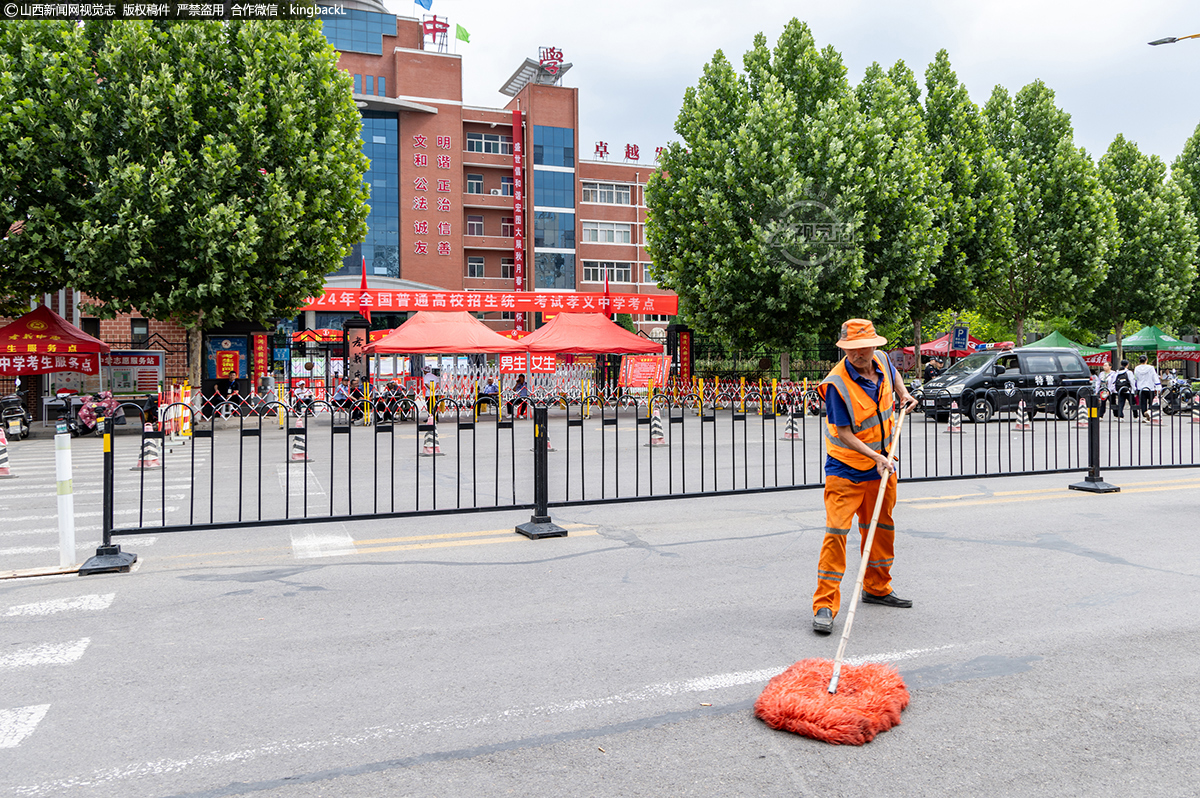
{"x": 435, "y": 333}
{"x": 587, "y": 333}
{"x": 42, "y": 341}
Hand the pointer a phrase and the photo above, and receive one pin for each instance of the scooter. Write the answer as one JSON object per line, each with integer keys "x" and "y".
{"x": 93, "y": 407}
{"x": 13, "y": 416}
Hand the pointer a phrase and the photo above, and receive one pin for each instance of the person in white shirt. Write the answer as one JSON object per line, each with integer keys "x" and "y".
{"x": 1122, "y": 391}
{"x": 1146, "y": 383}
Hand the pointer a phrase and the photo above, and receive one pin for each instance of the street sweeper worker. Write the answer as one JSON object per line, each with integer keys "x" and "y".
{"x": 859, "y": 394}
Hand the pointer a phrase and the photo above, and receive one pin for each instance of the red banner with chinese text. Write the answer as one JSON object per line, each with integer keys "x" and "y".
{"x": 638, "y": 370}
{"x": 537, "y": 364}
{"x": 483, "y": 301}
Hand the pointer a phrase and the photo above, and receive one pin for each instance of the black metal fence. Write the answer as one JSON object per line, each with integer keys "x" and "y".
{"x": 398, "y": 457}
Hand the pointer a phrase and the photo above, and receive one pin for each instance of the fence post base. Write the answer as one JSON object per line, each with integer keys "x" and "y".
{"x": 1094, "y": 485}
{"x": 108, "y": 559}
{"x": 540, "y": 526}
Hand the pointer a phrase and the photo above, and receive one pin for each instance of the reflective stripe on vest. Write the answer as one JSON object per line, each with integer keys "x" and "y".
{"x": 866, "y": 415}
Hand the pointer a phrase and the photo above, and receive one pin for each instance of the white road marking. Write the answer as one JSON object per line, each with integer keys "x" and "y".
{"x": 48, "y": 654}
{"x": 93, "y": 602}
{"x": 84, "y": 546}
{"x": 289, "y": 747}
{"x": 54, "y": 516}
{"x": 315, "y": 544}
{"x": 17, "y": 724}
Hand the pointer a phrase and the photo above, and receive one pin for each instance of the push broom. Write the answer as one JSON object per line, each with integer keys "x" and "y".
{"x": 805, "y": 698}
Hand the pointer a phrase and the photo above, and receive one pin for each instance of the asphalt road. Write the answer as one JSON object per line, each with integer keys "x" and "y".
{"x": 1052, "y": 651}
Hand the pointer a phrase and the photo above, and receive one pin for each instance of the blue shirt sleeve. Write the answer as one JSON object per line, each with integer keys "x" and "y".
{"x": 836, "y": 410}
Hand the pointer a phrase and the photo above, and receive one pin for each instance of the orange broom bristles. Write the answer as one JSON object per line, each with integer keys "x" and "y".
{"x": 869, "y": 700}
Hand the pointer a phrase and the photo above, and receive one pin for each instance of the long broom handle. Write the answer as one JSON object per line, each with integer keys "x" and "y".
{"x": 866, "y": 553}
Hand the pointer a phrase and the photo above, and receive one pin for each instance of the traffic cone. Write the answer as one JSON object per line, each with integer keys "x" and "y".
{"x": 1022, "y": 423}
{"x": 1081, "y": 418}
{"x": 657, "y": 436}
{"x": 430, "y": 446}
{"x": 1155, "y": 419}
{"x": 151, "y": 452}
{"x": 792, "y": 430}
{"x": 955, "y": 418}
{"x": 5, "y": 473}
{"x": 299, "y": 446}
{"x": 1196, "y": 408}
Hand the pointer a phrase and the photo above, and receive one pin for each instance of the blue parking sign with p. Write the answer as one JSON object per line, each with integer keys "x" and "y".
{"x": 958, "y": 340}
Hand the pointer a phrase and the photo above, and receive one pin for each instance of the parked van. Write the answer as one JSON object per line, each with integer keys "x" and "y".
{"x": 986, "y": 383}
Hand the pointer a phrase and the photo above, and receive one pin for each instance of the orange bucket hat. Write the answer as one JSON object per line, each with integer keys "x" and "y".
{"x": 859, "y": 333}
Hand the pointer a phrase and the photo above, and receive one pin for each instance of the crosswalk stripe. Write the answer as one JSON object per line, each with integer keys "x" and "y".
{"x": 93, "y": 602}
{"x": 84, "y": 546}
{"x": 17, "y": 724}
{"x": 48, "y": 654}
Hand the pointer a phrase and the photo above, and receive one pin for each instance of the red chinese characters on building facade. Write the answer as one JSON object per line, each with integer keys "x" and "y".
{"x": 601, "y": 149}
{"x": 631, "y": 152}
{"x": 518, "y": 138}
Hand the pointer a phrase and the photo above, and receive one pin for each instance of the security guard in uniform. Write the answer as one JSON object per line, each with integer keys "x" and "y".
{"x": 859, "y": 393}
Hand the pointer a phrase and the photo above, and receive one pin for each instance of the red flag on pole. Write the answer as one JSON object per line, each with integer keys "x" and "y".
{"x": 362, "y": 297}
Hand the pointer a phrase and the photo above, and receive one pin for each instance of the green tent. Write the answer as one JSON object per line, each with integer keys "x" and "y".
{"x": 1058, "y": 339}
{"x": 1152, "y": 339}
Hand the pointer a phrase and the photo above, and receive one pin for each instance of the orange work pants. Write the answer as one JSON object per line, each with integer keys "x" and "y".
{"x": 843, "y": 500}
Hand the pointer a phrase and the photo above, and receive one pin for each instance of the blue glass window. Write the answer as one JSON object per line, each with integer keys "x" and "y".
{"x": 358, "y": 84}
{"x": 554, "y": 270}
{"x": 359, "y": 31}
{"x": 554, "y": 189}
{"x": 554, "y": 146}
{"x": 368, "y": 84}
{"x": 381, "y": 248}
{"x": 382, "y": 87}
{"x": 555, "y": 230}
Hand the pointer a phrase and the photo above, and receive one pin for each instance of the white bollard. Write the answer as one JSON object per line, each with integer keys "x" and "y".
{"x": 66, "y": 499}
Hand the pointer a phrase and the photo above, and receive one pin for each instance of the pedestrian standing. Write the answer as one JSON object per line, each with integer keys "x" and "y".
{"x": 1146, "y": 383}
{"x": 1122, "y": 391}
{"x": 860, "y": 393}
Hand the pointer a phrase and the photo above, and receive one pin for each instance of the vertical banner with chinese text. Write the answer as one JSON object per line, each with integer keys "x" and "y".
{"x": 518, "y": 148}
{"x": 262, "y": 356}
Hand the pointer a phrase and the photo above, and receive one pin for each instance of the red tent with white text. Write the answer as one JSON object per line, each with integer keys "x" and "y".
{"x": 41, "y": 342}
{"x": 587, "y": 333}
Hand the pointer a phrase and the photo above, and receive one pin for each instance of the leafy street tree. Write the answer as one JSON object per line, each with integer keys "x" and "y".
{"x": 1153, "y": 267}
{"x": 215, "y": 170}
{"x": 793, "y": 201}
{"x": 1185, "y": 172}
{"x": 1063, "y": 224}
{"x": 896, "y": 193}
{"x": 734, "y": 207}
{"x": 975, "y": 212}
{"x": 46, "y": 85}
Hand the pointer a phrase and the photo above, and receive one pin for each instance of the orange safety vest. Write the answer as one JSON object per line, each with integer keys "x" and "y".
{"x": 872, "y": 420}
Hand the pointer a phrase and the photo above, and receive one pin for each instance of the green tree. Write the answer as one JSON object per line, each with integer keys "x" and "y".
{"x": 46, "y": 86}
{"x": 759, "y": 151}
{"x": 792, "y": 201}
{"x": 220, "y": 171}
{"x": 1152, "y": 270}
{"x": 975, "y": 212}
{"x": 1185, "y": 172}
{"x": 896, "y": 193}
{"x": 1063, "y": 223}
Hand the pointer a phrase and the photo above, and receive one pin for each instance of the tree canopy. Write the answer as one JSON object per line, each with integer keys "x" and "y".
{"x": 200, "y": 172}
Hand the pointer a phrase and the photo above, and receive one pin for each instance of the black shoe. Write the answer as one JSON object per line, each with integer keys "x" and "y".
{"x": 823, "y": 621}
{"x": 890, "y": 600}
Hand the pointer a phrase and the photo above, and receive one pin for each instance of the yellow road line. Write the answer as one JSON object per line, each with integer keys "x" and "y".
{"x": 452, "y": 535}
{"x": 509, "y": 537}
{"x": 1057, "y": 493}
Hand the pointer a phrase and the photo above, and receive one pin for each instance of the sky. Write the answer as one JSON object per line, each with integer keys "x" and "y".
{"x": 632, "y": 61}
